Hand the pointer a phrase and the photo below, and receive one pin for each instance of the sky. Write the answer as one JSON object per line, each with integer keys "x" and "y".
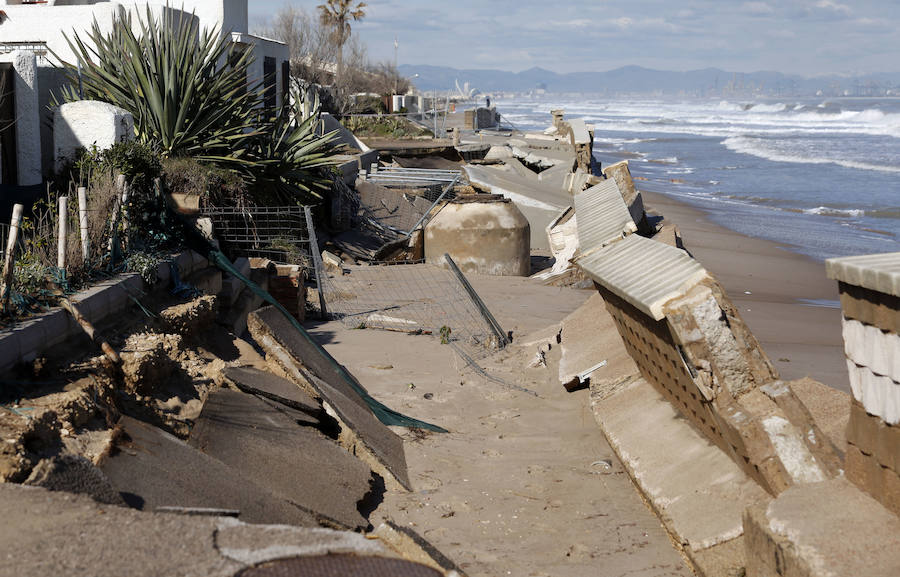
{"x": 806, "y": 37}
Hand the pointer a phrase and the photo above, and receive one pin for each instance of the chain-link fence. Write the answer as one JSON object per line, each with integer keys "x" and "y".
{"x": 278, "y": 233}
{"x": 412, "y": 298}
{"x": 282, "y": 234}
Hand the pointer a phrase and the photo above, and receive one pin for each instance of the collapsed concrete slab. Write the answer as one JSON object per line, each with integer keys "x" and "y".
{"x": 108, "y": 541}
{"x": 280, "y": 449}
{"x": 151, "y": 469}
{"x": 540, "y": 204}
{"x": 828, "y": 528}
{"x": 690, "y": 342}
{"x": 562, "y": 236}
{"x": 870, "y": 298}
{"x": 361, "y": 432}
{"x": 587, "y": 353}
{"x": 264, "y": 384}
{"x": 603, "y": 217}
{"x": 697, "y": 491}
{"x": 631, "y": 195}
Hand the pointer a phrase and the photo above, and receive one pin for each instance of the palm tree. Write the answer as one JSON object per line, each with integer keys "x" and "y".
{"x": 337, "y": 15}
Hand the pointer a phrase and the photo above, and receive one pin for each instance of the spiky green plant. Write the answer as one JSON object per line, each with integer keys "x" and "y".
{"x": 292, "y": 156}
{"x": 187, "y": 90}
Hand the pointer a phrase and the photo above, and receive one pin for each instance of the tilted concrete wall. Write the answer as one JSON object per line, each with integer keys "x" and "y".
{"x": 870, "y": 299}
{"x": 88, "y": 123}
{"x": 690, "y": 343}
{"x": 489, "y": 236}
{"x": 622, "y": 175}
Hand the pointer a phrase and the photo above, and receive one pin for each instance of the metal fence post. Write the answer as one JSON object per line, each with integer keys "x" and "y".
{"x": 502, "y": 338}
{"x": 318, "y": 267}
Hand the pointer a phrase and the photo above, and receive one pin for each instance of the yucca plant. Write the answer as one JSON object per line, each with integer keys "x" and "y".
{"x": 291, "y": 156}
{"x": 186, "y": 88}
{"x": 188, "y": 92}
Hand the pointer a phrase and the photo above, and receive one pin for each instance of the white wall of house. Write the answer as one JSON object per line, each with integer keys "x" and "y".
{"x": 50, "y": 23}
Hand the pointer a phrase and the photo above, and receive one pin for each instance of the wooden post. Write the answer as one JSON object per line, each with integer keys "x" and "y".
{"x": 114, "y": 220}
{"x": 126, "y": 194}
{"x": 9, "y": 257}
{"x": 90, "y": 331}
{"x": 63, "y": 232}
{"x": 83, "y": 224}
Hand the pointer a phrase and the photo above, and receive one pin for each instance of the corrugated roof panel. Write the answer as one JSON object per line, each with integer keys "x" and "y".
{"x": 877, "y": 272}
{"x": 602, "y": 215}
{"x": 643, "y": 272}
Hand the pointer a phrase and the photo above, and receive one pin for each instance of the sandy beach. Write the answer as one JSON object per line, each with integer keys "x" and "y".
{"x": 785, "y": 297}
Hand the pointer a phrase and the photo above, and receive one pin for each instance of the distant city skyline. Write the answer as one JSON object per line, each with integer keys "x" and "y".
{"x": 806, "y": 37}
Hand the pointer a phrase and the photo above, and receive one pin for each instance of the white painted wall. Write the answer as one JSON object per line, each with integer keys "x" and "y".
{"x": 50, "y": 23}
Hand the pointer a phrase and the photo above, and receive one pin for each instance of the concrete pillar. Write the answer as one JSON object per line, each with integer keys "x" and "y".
{"x": 28, "y": 119}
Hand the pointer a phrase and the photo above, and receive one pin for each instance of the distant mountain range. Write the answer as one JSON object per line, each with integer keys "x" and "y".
{"x": 638, "y": 80}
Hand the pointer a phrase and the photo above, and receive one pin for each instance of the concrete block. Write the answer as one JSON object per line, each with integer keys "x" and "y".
{"x": 485, "y": 236}
{"x": 57, "y": 326}
{"x": 876, "y": 272}
{"x": 871, "y": 435}
{"x": 869, "y": 346}
{"x": 879, "y": 395}
{"x": 645, "y": 273}
{"x": 580, "y": 131}
{"x": 870, "y": 307}
{"x": 828, "y": 528}
{"x": 801, "y": 418}
{"x": 93, "y": 303}
{"x": 882, "y": 483}
{"x": 602, "y": 217}
{"x": 88, "y": 123}
{"x": 31, "y": 339}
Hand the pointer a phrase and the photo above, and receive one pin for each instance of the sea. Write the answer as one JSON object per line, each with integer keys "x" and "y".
{"x": 820, "y": 176}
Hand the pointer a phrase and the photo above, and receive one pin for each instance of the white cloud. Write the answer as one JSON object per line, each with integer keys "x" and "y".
{"x": 835, "y": 7}
{"x": 757, "y": 8}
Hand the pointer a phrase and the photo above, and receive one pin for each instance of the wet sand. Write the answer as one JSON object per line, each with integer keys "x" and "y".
{"x": 785, "y": 297}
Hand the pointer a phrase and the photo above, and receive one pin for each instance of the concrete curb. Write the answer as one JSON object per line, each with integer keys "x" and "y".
{"x": 25, "y": 341}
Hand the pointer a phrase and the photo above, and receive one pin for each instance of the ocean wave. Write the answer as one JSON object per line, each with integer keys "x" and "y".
{"x": 838, "y": 212}
{"x": 761, "y": 148}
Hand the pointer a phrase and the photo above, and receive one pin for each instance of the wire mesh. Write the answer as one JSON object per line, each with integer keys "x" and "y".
{"x": 399, "y": 204}
{"x": 414, "y": 298}
{"x": 278, "y": 233}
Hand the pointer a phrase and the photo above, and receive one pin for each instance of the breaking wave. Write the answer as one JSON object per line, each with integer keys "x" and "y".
{"x": 767, "y": 149}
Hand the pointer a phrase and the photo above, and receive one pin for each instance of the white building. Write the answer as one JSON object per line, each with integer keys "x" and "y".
{"x": 39, "y": 27}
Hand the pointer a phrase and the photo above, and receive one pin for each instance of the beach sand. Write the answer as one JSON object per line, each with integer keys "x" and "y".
{"x": 775, "y": 290}
{"x": 521, "y": 485}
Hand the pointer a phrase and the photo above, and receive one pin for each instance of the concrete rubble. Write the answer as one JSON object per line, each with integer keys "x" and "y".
{"x": 246, "y": 455}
